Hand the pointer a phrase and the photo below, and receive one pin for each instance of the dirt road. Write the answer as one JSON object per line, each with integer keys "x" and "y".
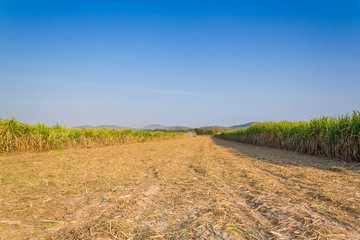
{"x": 190, "y": 188}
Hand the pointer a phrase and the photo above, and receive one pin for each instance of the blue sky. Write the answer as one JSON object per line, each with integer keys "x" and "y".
{"x": 191, "y": 63}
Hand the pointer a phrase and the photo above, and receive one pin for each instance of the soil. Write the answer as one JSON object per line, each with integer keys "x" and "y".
{"x": 188, "y": 188}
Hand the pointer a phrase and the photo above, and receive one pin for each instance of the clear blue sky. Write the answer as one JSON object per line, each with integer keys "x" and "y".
{"x": 190, "y": 63}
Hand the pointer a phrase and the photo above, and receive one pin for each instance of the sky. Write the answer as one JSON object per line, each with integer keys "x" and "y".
{"x": 190, "y": 63}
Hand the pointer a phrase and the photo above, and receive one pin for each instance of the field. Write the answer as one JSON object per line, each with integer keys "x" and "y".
{"x": 21, "y": 137}
{"x": 184, "y": 188}
{"x": 336, "y": 137}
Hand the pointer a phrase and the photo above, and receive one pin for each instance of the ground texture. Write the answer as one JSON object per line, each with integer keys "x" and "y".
{"x": 189, "y": 188}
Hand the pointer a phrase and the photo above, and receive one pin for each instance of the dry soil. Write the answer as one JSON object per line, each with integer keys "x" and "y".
{"x": 189, "y": 188}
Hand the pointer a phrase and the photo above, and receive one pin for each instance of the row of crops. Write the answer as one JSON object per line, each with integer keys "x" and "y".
{"x": 21, "y": 137}
{"x": 336, "y": 137}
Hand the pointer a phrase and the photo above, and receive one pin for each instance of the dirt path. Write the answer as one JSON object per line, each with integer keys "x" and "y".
{"x": 191, "y": 188}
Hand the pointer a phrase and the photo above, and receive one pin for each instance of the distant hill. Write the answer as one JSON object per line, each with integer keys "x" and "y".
{"x": 112, "y": 126}
{"x": 154, "y": 126}
{"x": 147, "y": 127}
{"x": 179, "y": 128}
{"x": 173, "y": 128}
{"x": 104, "y": 126}
{"x": 160, "y": 126}
{"x": 241, "y": 125}
{"x": 84, "y": 126}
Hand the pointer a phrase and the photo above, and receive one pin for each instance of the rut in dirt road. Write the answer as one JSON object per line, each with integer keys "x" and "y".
{"x": 189, "y": 188}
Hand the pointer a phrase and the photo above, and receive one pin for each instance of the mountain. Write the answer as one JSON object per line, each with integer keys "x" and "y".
{"x": 241, "y": 125}
{"x": 113, "y": 127}
{"x": 147, "y": 127}
{"x": 160, "y": 126}
{"x": 154, "y": 126}
{"x": 104, "y": 126}
{"x": 173, "y": 128}
{"x": 84, "y": 126}
{"x": 178, "y": 128}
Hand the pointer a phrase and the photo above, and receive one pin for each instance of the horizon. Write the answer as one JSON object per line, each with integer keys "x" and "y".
{"x": 178, "y": 64}
{"x": 169, "y": 126}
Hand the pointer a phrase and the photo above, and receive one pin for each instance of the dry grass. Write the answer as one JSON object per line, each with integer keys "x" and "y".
{"x": 335, "y": 137}
{"x": 16, "y": 136}
{"x": 189, "y": 188}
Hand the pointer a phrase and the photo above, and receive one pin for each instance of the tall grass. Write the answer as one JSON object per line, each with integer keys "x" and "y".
{"x": 337, "y": 137}
{"x": 21, "y": 137}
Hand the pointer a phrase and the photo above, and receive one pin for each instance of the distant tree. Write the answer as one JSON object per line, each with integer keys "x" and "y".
{"x": 209, "y": 130}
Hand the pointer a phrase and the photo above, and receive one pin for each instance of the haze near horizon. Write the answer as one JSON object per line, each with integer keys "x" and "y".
{"x": 178, "y": 63}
